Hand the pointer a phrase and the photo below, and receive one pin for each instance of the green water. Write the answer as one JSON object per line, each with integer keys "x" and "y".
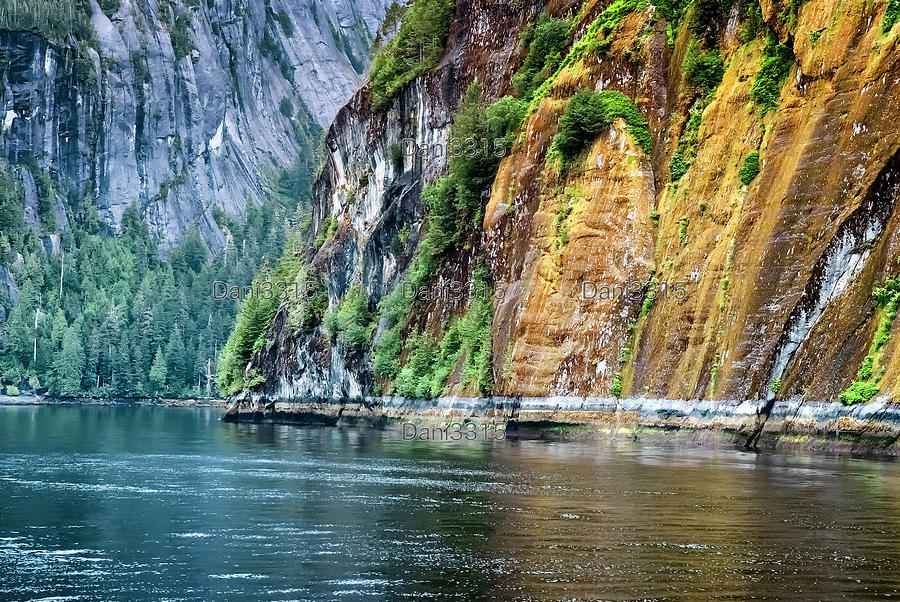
{"x": 121, "y": 503}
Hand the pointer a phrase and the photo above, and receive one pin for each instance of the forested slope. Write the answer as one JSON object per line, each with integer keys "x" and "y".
{"x": 149, "y": 149}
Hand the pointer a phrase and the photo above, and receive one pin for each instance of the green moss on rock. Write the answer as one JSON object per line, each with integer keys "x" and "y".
{"x": 750, "y": 169}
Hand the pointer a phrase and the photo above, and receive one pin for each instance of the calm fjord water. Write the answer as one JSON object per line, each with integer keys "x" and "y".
{"x": 119, "y": 503}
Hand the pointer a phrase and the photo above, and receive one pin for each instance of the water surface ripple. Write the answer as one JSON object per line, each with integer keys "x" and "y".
{"x": 116, "y": 503}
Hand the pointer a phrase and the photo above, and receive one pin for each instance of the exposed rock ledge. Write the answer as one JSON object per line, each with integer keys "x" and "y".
{"x": 866, "y": 429}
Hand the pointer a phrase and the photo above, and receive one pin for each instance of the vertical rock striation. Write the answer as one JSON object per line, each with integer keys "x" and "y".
{"x": 183, "y": 106}
{"x": 777, "y": 270}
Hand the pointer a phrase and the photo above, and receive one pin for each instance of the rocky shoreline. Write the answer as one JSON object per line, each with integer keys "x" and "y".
{"x": 791, "y": 425}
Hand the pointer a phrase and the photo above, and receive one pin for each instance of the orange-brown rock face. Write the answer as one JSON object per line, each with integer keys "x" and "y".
{"x": 778, "y": 273}
{"x": 558, "y": 333}
{"x": 763, "y": 278}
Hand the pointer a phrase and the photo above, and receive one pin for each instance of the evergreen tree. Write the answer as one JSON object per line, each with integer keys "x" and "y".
{"x": 122, "y": 377}
{"x": 158, "y": 372}
{"x": 12, "y": 209}
{"x": 176, "y": 362}
{"x": 58, "y": 330}
{"x": 20, "y": 326}
{"x": 140, "y": 366}
{"x": 68, "y": 366}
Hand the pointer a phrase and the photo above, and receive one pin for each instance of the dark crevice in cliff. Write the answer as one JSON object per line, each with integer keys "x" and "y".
{"x": 842, "y": 260}
{"x": 139, "y": 118}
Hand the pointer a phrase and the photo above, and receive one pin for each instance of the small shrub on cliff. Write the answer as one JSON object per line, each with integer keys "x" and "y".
{"x": 703, "y": 69}
{"x": 326, "y": 231}
{"x": 415, "y": 50}
{"x": 351, "y": 322}
{"x": 110, "y": 7}
{"x": 750, "y": 169}
{"x": 713, "y": 377}
{"x": 398, "y": 245}
{"x": 865, "y": 371}
{"x": 564, "y": 210}
{"x": 678, "y": 166}
{"x": 286, "y": 107}
{"x": 589, "y": 113}
{"x": 83, "y": 66}
{"x": 887, "y": 292}
{"x": 582, "y": 121}
{"x": 546, "y": 41}
{"x": 270, "y": 47}
{"x": 649, "y": 300}
{"x": 775, "y": 67}
{"x": 285, "y": 21}
{"x": 180, "y": 34}
{"x": 887, "y": 299}
{"x": 891, "y": 15}
{"x": 858, "y": 392}
{"x": 46, "y": 196}
{"x": 615, "y": 389}
{"x": 505, "y": 117}
{"x": 687, "y": 145}
{"x": 396, "y": 155}
{"x": 139, "y": 66}
{"x": 723, "y": 290}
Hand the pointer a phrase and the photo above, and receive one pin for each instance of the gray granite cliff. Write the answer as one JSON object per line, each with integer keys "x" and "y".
{"x": 179, "y": 126}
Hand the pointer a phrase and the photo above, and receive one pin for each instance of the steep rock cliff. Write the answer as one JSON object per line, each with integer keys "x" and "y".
{"x": 181, "y": 107}
{"x": 371, "y": 193}
{"x": 768, "y": 201}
